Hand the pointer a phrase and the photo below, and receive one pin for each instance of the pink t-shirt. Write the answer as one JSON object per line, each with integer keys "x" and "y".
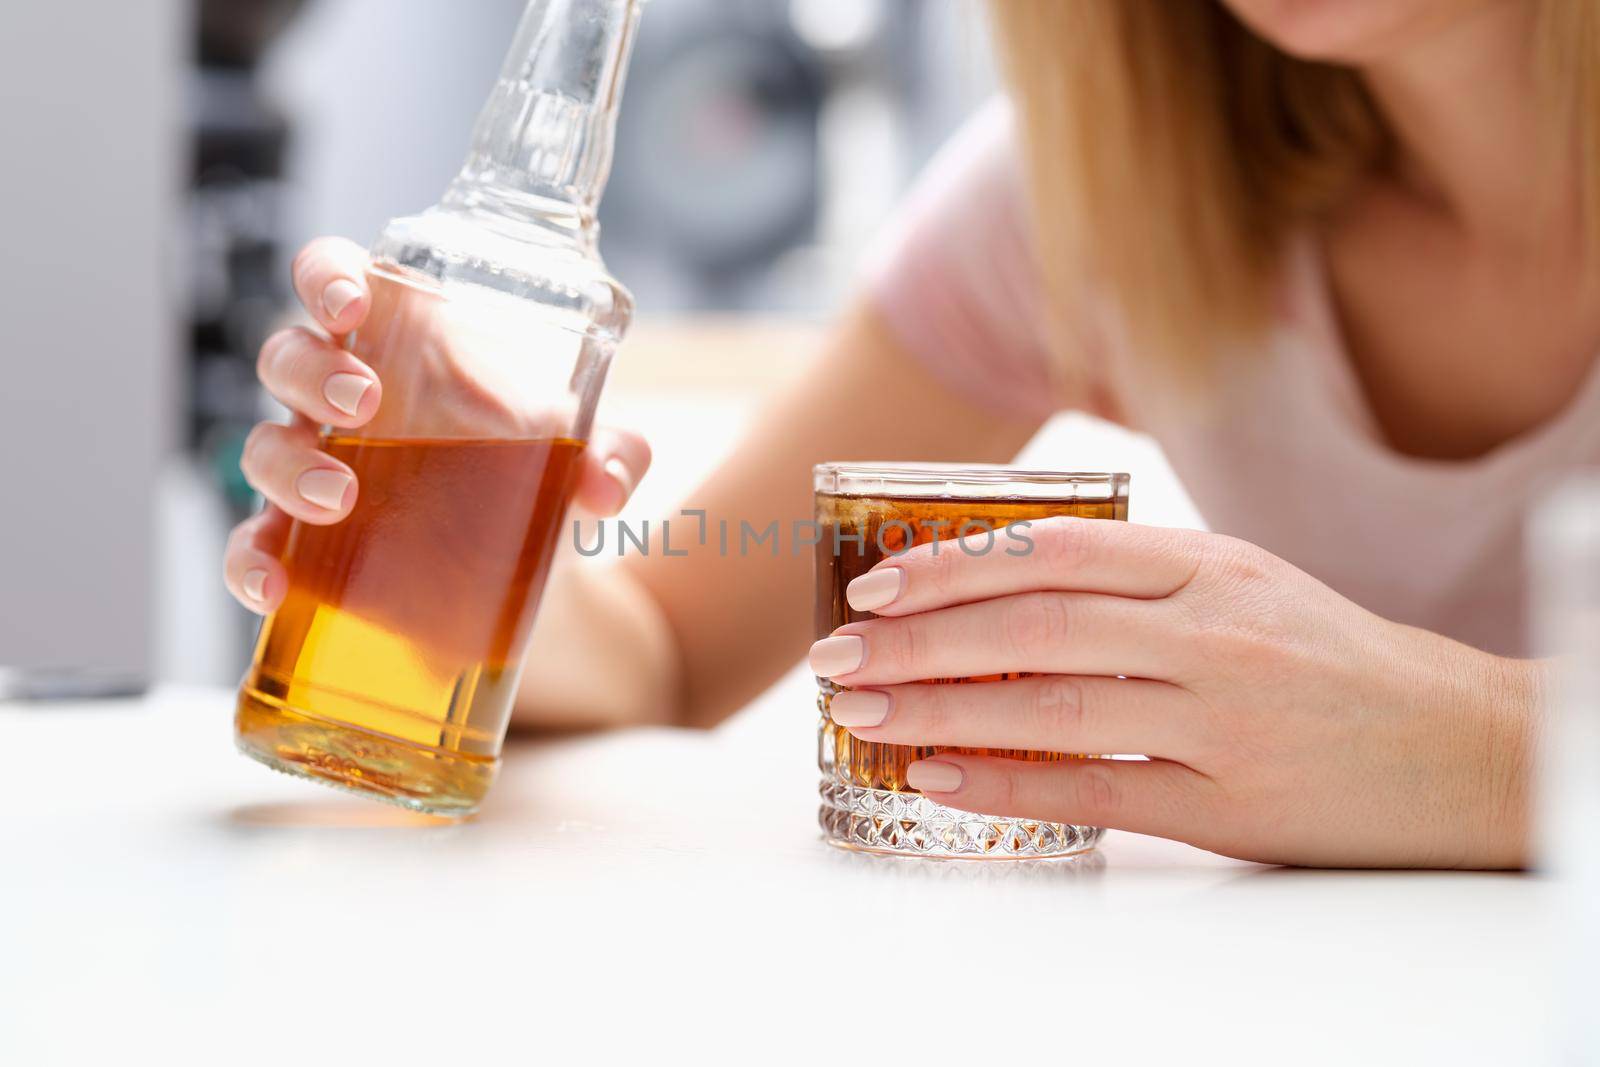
{"x": 1288, "y": 457}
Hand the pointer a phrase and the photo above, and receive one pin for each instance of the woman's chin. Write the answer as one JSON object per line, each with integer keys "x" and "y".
{"x": 1350, "y": 32}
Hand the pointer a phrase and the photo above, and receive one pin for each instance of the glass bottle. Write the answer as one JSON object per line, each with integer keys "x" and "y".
{"x": 391, "y": 666}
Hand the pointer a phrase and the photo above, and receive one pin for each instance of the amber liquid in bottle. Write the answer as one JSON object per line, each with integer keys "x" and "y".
{"x": 857, "y": 532}
{"x": 393, "y": 662}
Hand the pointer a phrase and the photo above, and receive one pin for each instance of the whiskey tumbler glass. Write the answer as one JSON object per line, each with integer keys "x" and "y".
{"x": 867, "y": 513}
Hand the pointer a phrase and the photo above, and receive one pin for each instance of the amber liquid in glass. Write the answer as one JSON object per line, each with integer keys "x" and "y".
{"x": 392, "y": 664}
{"x": 857, "y": 532}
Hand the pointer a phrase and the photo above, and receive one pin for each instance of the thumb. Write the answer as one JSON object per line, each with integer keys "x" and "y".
{"x": 613, "y": 465}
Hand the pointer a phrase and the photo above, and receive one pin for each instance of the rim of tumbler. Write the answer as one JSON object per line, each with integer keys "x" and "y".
{"x": 965, "y": 480}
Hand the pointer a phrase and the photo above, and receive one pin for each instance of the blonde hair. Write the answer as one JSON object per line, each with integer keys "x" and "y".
{"x": 1170, "y": 150}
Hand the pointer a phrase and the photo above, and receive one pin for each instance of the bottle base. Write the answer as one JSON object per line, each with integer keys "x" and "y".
{"x": 371, "y": 765}
{"x": 885, "y": 822}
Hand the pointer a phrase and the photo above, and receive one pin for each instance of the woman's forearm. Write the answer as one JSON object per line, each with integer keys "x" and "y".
{"x": 1517, "y": 694}
{"x": 692, "y": 635}
{"x": 740, "y": 614}
{"x": 602, "y": 655}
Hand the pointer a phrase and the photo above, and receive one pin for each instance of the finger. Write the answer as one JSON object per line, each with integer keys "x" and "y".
{"x": 251, "y": 567}
{"x": 1142, "y": 796}
{"x": 285, "y": 466}
{"x": 1047, "y": 713}
{"x": 1034, "y": 633}
{"x": 1062, "y": 553}
{"x": 318, "y": 379}
{"x": 330, "y": 279}
{"x": 266, "y": 531}
{"x": 613, "y": 464}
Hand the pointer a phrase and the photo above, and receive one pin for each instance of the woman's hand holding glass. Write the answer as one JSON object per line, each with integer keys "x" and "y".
{"x": 1283, "y": 722}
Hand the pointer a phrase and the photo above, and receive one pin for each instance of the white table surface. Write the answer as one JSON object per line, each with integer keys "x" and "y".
{"x": 663, "y": 893}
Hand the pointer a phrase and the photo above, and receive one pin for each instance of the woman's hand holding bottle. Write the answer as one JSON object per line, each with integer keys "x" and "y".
{"x": 324, "y": 384}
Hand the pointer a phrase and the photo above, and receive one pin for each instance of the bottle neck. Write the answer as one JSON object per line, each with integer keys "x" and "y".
{"x": 541, "y": 149}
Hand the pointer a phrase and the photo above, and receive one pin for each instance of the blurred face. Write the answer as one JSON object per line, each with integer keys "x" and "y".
{"x": 1353, "y": 31}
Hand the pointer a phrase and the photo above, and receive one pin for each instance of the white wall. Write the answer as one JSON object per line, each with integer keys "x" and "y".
{"x": 90, "y": 142}
{"x": 382, "y": 95}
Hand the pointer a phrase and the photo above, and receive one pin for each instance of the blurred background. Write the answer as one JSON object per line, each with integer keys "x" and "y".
{"x": 164, "y": 169}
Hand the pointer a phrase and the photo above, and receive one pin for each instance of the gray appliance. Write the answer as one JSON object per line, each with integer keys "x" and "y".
{"x": 91, "y": 138}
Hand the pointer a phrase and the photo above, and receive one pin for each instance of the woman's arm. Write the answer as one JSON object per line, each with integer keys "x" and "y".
{"x": 691, "y": 638}
{"x": 653, "y": 639}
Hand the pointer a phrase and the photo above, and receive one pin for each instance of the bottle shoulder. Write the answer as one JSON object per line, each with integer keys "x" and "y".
{"x": 558, "y": 270}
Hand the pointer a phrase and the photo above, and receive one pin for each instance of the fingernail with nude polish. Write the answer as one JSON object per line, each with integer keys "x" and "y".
{"x": 339, "y": 294}
{"x": 324, "y": 488}
{"x": 255, "y": 585}
{"x": 859, "y": 708}
{"x": 932, "y": 776}
{"x": 875, "y": 589}
{"x": 344, "y": 391}
{"x": 618, "y": 472}
{"x": 837, "y": 655}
